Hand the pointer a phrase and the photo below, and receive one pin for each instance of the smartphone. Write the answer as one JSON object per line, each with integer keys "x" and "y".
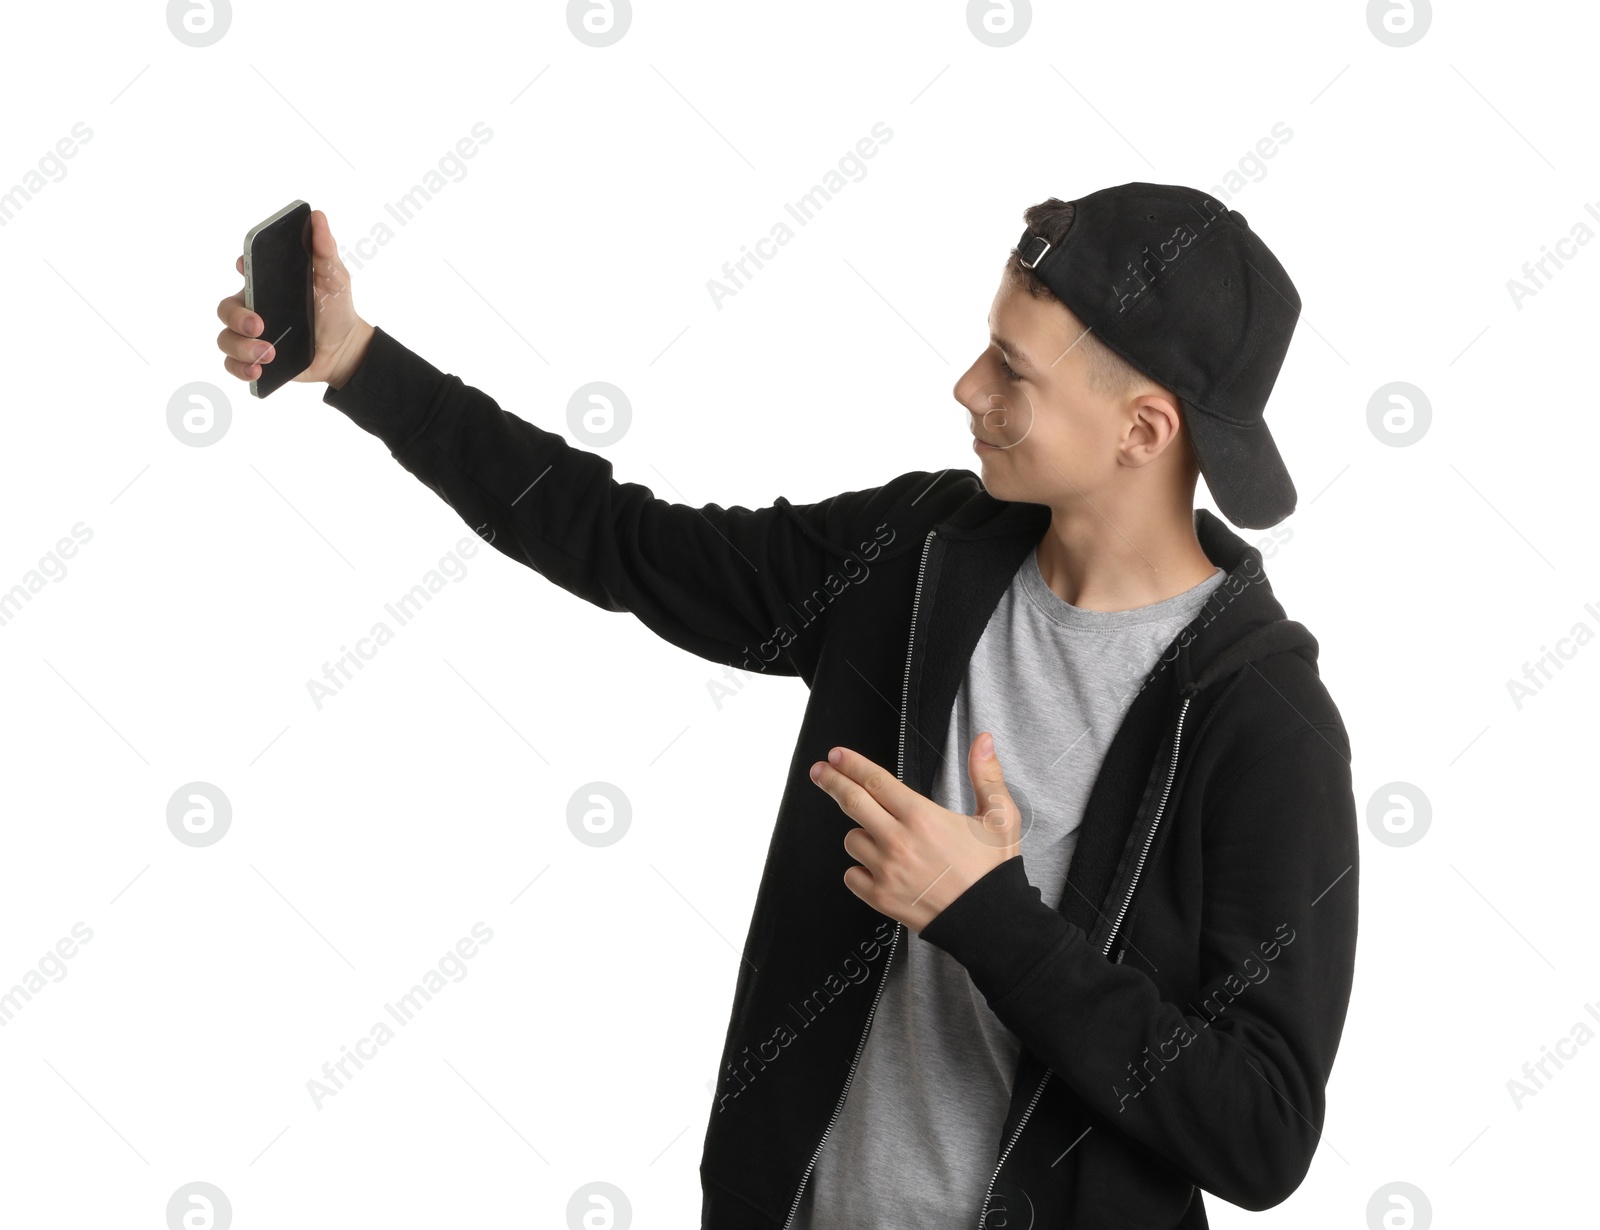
{"x": 278, "y": 288}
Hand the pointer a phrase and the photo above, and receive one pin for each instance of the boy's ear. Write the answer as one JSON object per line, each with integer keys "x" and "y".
{"x": 1156, "y": 424}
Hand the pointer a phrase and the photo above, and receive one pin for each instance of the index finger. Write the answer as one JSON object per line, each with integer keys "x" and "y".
{"x": 893, "y": 795}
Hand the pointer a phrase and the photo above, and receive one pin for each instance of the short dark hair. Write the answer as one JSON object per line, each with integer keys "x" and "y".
{"x": 1109, "y": 372}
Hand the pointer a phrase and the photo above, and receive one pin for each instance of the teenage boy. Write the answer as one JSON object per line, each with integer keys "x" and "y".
{"x": 1073, "y": 992}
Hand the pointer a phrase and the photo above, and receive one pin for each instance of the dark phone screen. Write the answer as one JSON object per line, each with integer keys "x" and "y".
{"x": 280, "y": 275}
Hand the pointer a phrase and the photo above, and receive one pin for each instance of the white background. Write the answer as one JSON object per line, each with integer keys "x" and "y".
{"x": 367, "y": 837}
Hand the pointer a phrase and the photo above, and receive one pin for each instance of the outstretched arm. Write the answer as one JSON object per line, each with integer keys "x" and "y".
{"x": 737, "y": 586}
{"x": 741, "y": 587}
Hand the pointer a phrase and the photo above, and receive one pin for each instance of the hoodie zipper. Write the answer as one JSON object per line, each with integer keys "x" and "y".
{"x": 1127, "y": 900}
{"x": 899, "y": 772}
{"x": 1150, "y": 837}
{"x": 905, "y": 689}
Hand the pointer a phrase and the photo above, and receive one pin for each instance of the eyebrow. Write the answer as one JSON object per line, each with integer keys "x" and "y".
{"x": 1012, "y": 350}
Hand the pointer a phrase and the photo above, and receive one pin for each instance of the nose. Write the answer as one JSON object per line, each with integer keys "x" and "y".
{"x": 967, "y": 389}
{"x": 984, "y": 399}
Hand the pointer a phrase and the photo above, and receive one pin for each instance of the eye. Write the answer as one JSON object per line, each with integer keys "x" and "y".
{"x": 1005, "y": 368}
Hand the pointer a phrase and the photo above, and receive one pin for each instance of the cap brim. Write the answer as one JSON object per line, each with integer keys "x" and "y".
{"x": 1243, "y": 469}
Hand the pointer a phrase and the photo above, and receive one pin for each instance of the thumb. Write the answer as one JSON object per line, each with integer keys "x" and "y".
{"x": 322, "y": 244}
{"x": 336, "y": 312}
{"x": 332, "y": 279}
{"x": 998, "y": 821}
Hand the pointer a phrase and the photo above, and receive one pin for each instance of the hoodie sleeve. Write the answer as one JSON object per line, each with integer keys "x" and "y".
{"x": 1233, "y": 1098}
{"x": 737, "y": 586}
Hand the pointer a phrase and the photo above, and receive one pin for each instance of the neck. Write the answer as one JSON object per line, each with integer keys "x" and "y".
{"x": 1116, "y": 559}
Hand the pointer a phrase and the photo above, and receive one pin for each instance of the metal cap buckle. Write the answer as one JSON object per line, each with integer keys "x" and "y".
{"x": 1039, "y": 254}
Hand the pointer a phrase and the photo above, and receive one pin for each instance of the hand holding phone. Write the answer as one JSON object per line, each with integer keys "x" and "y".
{"x": 295, "y": 285}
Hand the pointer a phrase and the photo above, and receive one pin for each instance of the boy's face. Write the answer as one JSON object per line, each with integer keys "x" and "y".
{"x": 1028, "y": 394}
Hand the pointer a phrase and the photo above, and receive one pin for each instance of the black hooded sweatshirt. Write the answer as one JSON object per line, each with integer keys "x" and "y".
{"x": 1179, "y": 1012}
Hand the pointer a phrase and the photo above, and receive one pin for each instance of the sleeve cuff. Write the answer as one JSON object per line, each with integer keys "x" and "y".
{"x": 392, "y": 394}
{"x": 1000, "y": 929}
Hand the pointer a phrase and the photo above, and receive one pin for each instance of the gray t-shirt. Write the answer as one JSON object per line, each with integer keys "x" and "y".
{"x": 919, "y": 1133}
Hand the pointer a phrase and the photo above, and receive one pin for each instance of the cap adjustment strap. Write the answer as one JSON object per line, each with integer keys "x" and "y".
{"x": 1035, "y": 246}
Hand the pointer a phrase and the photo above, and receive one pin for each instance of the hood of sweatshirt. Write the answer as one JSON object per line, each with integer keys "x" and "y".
{"x": 1213, "y": 648}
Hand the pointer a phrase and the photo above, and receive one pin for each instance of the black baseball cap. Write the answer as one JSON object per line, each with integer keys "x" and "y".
{"x": 1180, "y": 286}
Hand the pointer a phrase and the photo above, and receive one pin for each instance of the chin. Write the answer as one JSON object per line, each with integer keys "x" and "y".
{"x": 996, "y": 485}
